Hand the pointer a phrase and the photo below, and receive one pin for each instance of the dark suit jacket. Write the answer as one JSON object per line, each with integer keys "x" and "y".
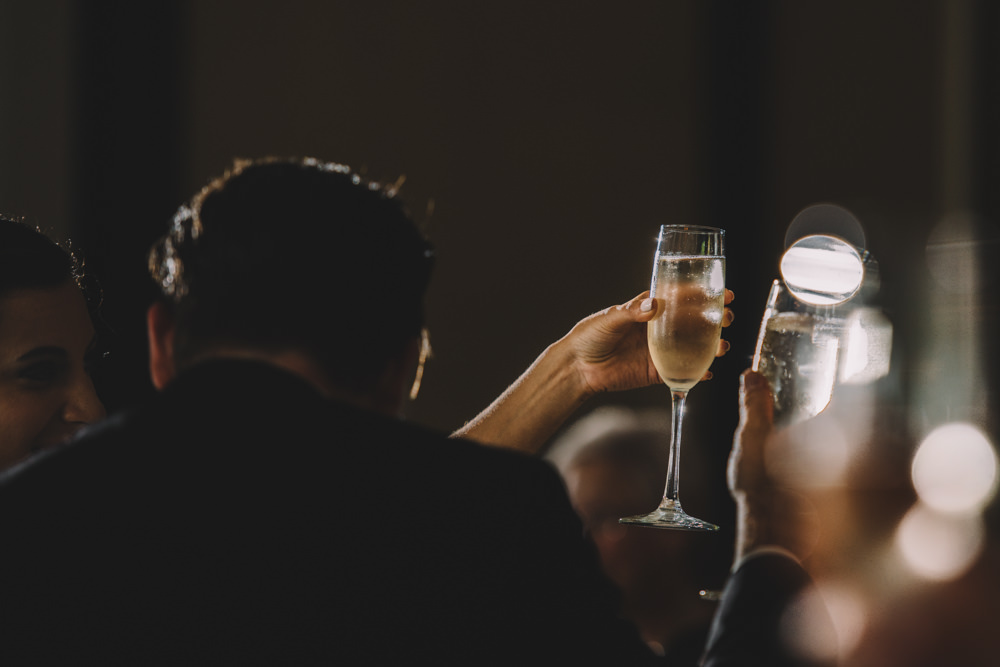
{"x": 757, "y": 618}
{"x": 240, "y": 518}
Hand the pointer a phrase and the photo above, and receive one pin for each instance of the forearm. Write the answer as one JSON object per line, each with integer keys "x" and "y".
{"x": 751, "y": 531}
{"x": 605, "y": 351}
{"x": 780, "y": 520}
{"x": 533, "y": 408}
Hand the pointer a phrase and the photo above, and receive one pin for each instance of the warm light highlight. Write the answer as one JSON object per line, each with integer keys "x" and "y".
{"x": 811, "y": 454}
{"x": 806, "y": 625}
{"x": 955, "y": 469}
{"x": 939, "y": 546}
{"x": 867, "y": 347}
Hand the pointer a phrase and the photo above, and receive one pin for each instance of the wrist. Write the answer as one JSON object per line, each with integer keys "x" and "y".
{"x": 570, "y": 369}
{"x": 770, "y": 519}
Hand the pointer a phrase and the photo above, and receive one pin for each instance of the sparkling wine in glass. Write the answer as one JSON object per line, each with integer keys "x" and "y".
{"x": 804, "y": 330}
{"x": 798, "y": 351}
{"x": 689, "y": 286}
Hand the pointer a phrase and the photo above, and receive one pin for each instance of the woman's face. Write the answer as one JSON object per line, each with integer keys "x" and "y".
{"x": 46, "y": 393}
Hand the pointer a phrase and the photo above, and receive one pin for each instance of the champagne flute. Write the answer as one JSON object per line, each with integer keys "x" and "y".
{"x": 689, "y": 287}
{"x": 798, "y": 351}
{"x": 804, "y": 330}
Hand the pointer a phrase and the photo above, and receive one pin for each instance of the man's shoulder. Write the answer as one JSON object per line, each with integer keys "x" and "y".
{"x": 467, "y": 466}
{"x": 322, "y": 443}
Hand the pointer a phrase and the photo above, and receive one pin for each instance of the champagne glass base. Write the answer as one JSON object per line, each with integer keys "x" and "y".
{"x": 667, "y": 516}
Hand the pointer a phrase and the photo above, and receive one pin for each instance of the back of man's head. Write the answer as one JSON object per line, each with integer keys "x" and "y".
{"x": 298, "y": 255}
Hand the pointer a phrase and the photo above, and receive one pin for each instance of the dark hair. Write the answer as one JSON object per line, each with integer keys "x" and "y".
{"x": 296, "y": 253}
{"x": 30, "y": 259}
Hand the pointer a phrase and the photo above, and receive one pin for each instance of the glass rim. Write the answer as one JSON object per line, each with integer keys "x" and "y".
{"x": 693, "y": 228}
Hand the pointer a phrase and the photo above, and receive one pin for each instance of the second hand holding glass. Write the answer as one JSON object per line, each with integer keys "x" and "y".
{"x": 689, "y": 287}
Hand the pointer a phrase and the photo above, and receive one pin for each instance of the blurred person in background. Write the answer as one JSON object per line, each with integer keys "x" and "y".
{"x": 614, "y": 461}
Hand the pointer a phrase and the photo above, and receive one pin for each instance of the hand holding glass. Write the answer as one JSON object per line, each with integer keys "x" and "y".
{"x": 689, "y": 287}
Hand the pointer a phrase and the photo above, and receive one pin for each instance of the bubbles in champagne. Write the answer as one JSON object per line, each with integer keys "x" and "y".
{"x": 799, "y": 356}
{"x": 684, "y": 335}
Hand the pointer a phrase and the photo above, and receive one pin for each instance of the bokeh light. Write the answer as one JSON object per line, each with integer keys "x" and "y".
{"x": 939, "y": 546}
{"x": 955, "y": 469}
{"x": 806, "y": 625}
{"x": 814, "y": 453}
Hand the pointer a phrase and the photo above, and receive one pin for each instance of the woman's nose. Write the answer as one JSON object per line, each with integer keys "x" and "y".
{"x": 82, "y": 405}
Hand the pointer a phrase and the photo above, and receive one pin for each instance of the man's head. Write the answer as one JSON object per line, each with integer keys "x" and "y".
{"x": 294, "y": 256}
{"x": 613, "y": 461}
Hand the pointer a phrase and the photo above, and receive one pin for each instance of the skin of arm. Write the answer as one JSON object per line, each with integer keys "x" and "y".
{"x": 768, "y": 515}
{"x": 749, "y": 626}
{"x": 606, "y": 351}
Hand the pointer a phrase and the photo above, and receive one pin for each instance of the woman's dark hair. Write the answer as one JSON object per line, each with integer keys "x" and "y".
{"x": 30, "y": 259}
{"x": 296, "y": 253}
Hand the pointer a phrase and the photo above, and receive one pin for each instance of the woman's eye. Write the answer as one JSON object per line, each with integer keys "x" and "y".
{"x": 41, "y": 372}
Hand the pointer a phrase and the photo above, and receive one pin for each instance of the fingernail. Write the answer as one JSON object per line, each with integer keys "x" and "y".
{"x": 646, "y": 305}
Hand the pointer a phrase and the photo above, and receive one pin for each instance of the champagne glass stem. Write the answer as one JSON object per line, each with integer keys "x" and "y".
{"x": 671, "y": 493}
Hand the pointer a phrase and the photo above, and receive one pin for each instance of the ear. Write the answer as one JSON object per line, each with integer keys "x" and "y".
{"x": 394, "y": 385}
{"x": 160, "y": 330}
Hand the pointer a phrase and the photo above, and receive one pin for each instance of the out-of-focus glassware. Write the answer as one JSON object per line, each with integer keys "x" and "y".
{"x": 798, "y": 350}
{"x": 822, "y": 270}
{"x": 815, "y": 332}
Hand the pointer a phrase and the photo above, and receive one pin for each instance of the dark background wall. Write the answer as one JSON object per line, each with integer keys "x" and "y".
{"x": 542, "y": 145}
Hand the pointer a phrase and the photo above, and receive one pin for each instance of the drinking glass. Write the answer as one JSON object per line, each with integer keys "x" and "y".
{"x": 689, "y": 272}
{"x": 798, "y": 351}
{"x": 803, "y": 333}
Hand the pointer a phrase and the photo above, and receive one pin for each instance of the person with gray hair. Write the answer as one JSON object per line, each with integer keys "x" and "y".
{"x": 613, "y": 461}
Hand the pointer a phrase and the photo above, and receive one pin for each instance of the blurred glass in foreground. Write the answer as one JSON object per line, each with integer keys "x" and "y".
{"x": 817, "y": 330}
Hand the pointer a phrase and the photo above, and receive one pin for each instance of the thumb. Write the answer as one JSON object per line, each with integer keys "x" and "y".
{"x": 618, "y": 319}
{"x": 746, "y": 462}
{"x": 641, "y": 308}
{"x": 756, "y": 402}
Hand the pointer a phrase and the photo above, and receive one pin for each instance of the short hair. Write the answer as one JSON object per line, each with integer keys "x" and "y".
{"x": 301, "y": 254}
{"x": 634, "y": 441}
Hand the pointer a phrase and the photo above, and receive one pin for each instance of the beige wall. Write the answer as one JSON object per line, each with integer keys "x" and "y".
{"x": 551, "y": 143}
{"x": 36, "y": 107}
